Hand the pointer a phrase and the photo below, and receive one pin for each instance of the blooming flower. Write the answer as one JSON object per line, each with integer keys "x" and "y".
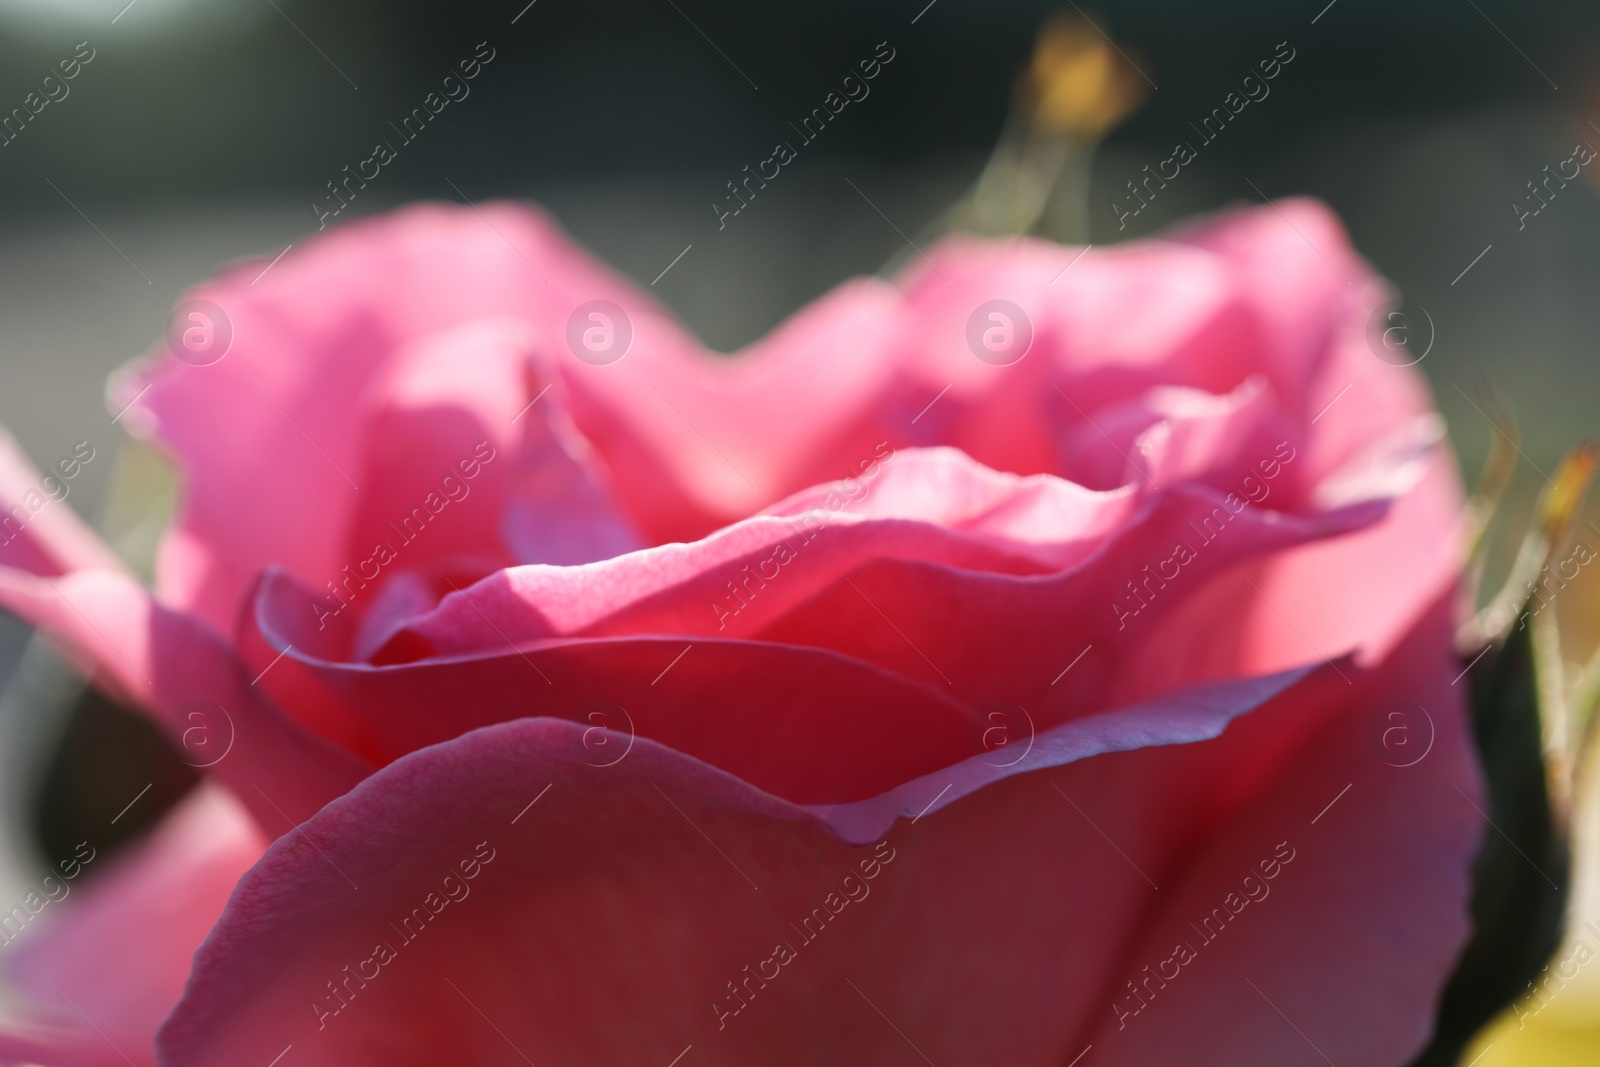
{"x": 987, "y": 666}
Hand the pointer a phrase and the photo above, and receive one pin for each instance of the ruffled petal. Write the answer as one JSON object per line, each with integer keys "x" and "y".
{"x": 512, "y": 896}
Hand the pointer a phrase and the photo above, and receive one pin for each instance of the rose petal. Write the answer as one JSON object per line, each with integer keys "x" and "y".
{"x": 1345, "y": 959}
{"x": 39, "y": 533}
{"x": 805, "y": 724}
{"x": 273, "y": 424}
{"x": 490, "y": 640}
{"x": 114, "y": 951}
{"x": 258, "y": 434}
{"x": 182, "y": 675}
{"x": 658, "y": 865}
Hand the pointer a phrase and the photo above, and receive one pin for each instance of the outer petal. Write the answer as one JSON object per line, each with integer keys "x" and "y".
{"x": 1320, "y": 966}
{"x": 621, "y": 907}
{"x": 115, "y": 950}
{"x": 176, "y": 669}
{"x": 40, "y": 533}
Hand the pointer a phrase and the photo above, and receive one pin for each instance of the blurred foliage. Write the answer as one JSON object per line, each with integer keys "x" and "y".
{"x": 228, "y": 97}
{"x": 1533, "y": 722}
{"x": 1516, "y": 902}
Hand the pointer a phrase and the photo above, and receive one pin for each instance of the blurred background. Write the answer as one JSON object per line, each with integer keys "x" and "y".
{"x": 203, "y": 131}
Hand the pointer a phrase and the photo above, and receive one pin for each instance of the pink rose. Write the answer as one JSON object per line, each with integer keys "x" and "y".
{"x": 1053, "y": 650}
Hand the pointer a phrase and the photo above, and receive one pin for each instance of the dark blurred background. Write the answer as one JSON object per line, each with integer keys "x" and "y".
{"x": 203, "y": 131}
